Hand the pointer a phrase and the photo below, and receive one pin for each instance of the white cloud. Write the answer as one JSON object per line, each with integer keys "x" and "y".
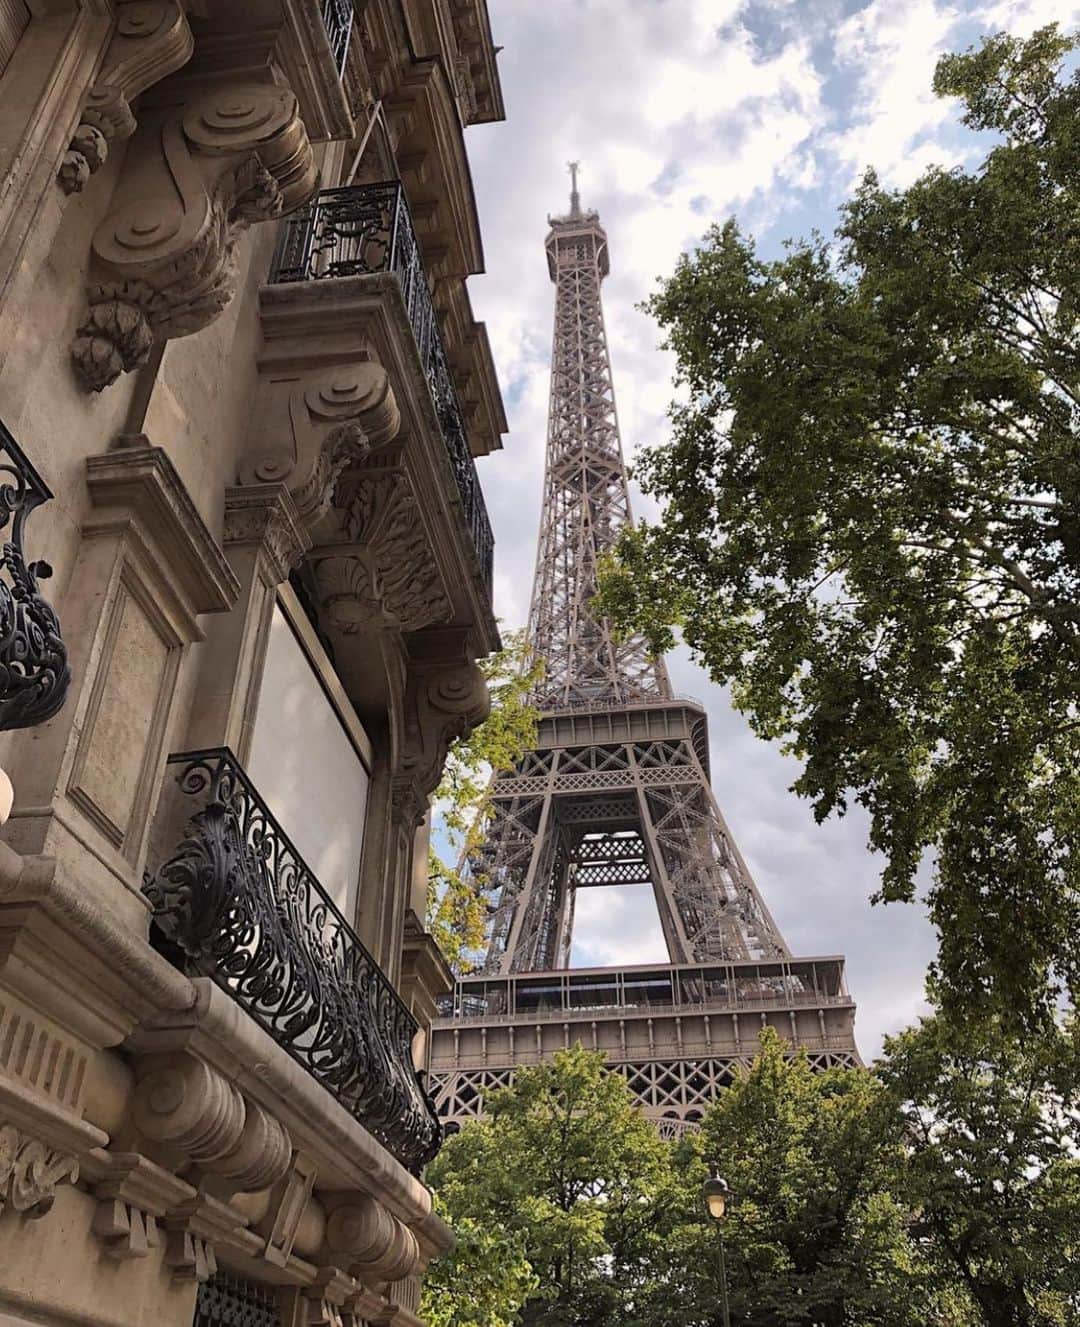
{"x": 890, "y": 50}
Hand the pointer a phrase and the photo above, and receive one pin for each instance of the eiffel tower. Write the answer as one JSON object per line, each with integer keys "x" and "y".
{"x": 616, "y": 792}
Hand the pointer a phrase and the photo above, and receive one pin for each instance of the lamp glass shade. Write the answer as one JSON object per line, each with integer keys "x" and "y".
{"x": 715, "y": 1193}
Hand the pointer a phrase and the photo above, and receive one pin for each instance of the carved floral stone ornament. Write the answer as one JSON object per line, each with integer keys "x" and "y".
{"x": 151, "y": 39}
{"x": 384, "y": 575}
{"x": 34, "y": 672}
{"x": 195, "y": 178}
{"x": 30, "y": 1172}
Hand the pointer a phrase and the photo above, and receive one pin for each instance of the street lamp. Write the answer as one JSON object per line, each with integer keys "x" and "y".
{"x": 715, "y": 1191}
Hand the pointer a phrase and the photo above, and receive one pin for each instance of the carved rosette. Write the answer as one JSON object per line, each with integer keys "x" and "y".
{"x": 151, "y": 39}
{"x": 30, "y": 1172}
{"x": 192, "y": 184}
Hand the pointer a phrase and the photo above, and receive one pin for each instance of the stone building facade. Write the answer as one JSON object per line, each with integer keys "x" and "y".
{"x": 246, "y": 582}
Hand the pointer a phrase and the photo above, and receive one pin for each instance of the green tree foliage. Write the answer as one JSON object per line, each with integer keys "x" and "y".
{"x": 457, "y": 901}
{"x": 569, "y": 1167}
{"x": 814, "y": 1233}
{"x": 990, "y": 1167}
{"x": 871, "y": 520}
{"x": 940, "y": 1187}
{"x": 482, "y": 1282}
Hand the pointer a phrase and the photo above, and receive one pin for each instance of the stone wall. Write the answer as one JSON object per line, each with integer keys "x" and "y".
{"x": 213, "y": 443}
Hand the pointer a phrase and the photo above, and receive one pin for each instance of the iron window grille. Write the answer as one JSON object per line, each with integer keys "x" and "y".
{"x": 337, "y": 16}
{"x": 34, "y": 672}
{"x": 363, "y": 230}
{"x": 230, "y": 1301}
{"x": 242, "y": 907}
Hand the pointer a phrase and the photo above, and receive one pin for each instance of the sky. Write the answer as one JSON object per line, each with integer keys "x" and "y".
{"x": 683, "y": 113}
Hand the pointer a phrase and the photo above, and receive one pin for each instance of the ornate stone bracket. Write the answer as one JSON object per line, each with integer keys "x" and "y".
{"x": 363, "y": 1236}
{"x": 151, "y": 39}
{"x": 30, "y": 1172}
{"x": 384, "y": 575}
{"x": 310, "y": 429}
{"x": 183, "y": 1104}
{"x": 195, "y": 178}
{"x": 442, "y": 702}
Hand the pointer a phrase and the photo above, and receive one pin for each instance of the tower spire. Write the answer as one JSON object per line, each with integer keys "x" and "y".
{"x": 575, "y": 197}
{"x": 586, "y": 499}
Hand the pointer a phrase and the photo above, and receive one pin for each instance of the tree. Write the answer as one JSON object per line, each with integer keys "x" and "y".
{"x": 457, "y": 899}
{"x": 568, "y": 1166}
{"x": 871, "y": 521}
{"x": 813, "y": 1232}
{"x": 990, "y": 1168}
{"x": 482, "y": 1282}
{"x": 940, "y": 1187}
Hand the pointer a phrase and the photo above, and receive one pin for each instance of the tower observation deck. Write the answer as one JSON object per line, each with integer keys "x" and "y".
{"x": 615, "y": 792}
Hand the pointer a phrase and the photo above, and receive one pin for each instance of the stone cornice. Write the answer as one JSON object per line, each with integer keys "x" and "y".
{"x": 138, "y": 486}
{"x": 348, "y": 1158}
{"x": 67, "y": 953}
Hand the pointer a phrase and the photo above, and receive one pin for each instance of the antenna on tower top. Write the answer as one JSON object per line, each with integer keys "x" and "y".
{"x": 575, "y": 197}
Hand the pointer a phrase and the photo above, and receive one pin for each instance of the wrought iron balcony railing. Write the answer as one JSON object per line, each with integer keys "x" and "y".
{"x": 362, "y": 230}
{"x": 337, "y": 16}
{"x": 34, "y": 672}
{"x": 243, "y": 908}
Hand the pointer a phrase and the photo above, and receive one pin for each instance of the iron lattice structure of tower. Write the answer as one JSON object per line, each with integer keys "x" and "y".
{"x": 616, "y": 791}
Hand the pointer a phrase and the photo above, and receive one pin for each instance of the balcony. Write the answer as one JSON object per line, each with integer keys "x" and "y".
{"x": 367, "y": 231}
{"x": 236, "y": 902}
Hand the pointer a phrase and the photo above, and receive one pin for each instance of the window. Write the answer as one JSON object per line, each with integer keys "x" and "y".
{"x": 310, "y": 759}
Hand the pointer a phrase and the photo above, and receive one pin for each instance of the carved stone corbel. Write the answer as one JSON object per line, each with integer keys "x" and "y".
{"x": 363, "y": 1236}
{"x": 133, "y": 1197}
{"x": 30, "y": 1172}
{"x": 384, "y": 575}
{"x": 152, "y": 38}
{"x": 128, "y": 1232}
{"x": 442, "y": 702}
{"x": 310, "y": 429}
{"x": 184, "y": 1104}
{"x": 191, "y": 1257}
{"x": 324, "y": 1301}
{"x": 194, "y": 179}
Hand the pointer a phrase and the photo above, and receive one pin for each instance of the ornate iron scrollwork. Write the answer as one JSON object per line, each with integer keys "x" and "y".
{"x": 245, "y": 909}
{"x": 34, "y": 672}
{"x": 362, "y": 230}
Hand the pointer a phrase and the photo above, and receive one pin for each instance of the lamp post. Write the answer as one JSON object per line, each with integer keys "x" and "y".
{"x": 715, "y": 1192}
